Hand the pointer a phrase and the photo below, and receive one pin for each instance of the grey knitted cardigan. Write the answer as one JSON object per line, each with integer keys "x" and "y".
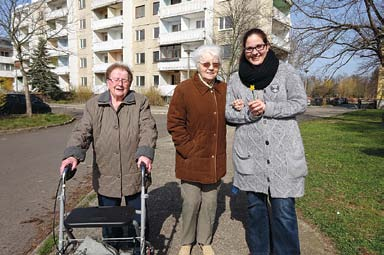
{"x": 268, "y": 152}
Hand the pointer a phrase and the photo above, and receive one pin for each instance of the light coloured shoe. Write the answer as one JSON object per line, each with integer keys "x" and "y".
{"x": 185, "y": 250}
{"x": 207, "y": 250}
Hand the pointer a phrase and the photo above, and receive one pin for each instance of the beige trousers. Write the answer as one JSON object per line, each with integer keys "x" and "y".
{"x": 198, "y": 212}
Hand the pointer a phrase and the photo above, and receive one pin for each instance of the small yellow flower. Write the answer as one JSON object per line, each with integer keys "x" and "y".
{"x": 252, "y": 87}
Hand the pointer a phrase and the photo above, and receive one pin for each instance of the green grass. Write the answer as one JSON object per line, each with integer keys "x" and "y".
{"x": 47, "y": 246}
{"x": 344, "y": 188}
{"x": 37, "y": 120}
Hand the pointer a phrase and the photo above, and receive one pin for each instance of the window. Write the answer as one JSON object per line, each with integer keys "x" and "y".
{"x": 156, "y": 80}
{"x": 156, "y": 32}
{"x": 200, "y": 24}
{"x": 140, "y": 58}
{"x": 83, "y": 43}
{"x": 155, "y": 8}
{"x": 175, "y": 1}
{"x": 225, "y": 23}
{"x": 81, "y": 4}
{"x": 171, "y": 51}
{"x": 83, "y": 81}
{"x": 105, "y": 58}
{"x": 83, "y": 24}
{"x": 140, "y": 35}
{"x": 83, "y": 62}
{"x": 227, "y": 51}
{"x": 4, "y": 53}
{"x": 156, "y": 56}
{"x": 140, "y": 81}
{"x": 140, "y": 11}
{"x": 176, "y": 27}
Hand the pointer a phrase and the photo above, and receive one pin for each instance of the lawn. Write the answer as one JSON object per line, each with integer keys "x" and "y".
{"x": 344, "y": 188}
{"x": 37, "y": 120}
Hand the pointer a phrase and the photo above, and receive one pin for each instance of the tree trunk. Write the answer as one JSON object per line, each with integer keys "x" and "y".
{"x": 28, "y": 104}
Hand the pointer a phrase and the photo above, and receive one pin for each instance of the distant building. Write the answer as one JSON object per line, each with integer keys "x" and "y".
{"x": 154, "y": 37}
{"x": 6, "y": 64}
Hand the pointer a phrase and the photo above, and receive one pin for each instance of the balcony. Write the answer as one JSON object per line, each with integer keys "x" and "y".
{"x": 182, "y": 36}
{"x": 60, "y": 13}
{"x": 107, "y": 23}
{"x": 182, "y": 8}
{"x": 281, "y": 17}
{"x": 180, "y": 64}
{"x": 281, "y": 43}
{"x": 108, "y": 45}
{"x": 61, "y": 70}
{"x": 8, "y": 74}
{"x": 7, "y": 60}
{"x": 103, "y": 3}
{"x": 61, "y": 32}
{"x": 100, "y": 67}
{"x": 59, "y": 51}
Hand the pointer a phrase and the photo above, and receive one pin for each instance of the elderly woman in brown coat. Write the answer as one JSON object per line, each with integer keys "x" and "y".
{"x": 196, "y": 122}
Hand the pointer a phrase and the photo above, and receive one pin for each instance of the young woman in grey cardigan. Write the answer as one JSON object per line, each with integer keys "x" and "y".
{"x": 263, "y": 99}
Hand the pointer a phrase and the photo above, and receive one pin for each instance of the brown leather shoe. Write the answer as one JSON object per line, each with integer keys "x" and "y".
{"x": 185, "y": 250}
{"x": 207, "y": 250}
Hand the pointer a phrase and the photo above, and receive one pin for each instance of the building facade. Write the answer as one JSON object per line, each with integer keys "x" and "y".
{"x": 154, "y": 37}
{"x": 6, "y": 64}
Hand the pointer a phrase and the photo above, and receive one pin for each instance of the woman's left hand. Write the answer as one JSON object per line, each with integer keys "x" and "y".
{"x": 256, "y": 107}
{"x": 146, "y": 161}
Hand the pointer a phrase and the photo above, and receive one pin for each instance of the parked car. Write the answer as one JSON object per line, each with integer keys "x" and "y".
{"x": 15, "y": 104}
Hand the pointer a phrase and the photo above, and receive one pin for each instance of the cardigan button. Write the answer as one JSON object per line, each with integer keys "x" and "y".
{"x": 268, "y": 162}
{"x": 213, "y": 156}
{"x": 267, "y": 142}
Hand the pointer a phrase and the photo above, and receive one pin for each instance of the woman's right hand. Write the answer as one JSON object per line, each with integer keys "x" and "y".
{"x": 238, "y": 104}
{"x": 67, "y": 161}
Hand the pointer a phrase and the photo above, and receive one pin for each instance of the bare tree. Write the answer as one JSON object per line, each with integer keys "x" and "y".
{"x": 23, "y": 22}
{"x": 339, "y": 31}
{"x": 238, "y": 17}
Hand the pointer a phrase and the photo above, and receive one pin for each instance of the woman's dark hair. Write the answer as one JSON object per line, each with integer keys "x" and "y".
{"x": 256, "y": 31}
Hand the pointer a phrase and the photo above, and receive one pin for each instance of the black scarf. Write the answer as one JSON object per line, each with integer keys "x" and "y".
{"x": 261, "y": 75}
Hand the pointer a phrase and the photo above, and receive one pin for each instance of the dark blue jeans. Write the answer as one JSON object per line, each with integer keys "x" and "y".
{"x": 272, "y": 225}
{"x": 118, "y": 232}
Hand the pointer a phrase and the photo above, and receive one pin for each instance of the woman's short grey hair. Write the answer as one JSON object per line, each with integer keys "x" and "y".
{"x": 212, "y": 50}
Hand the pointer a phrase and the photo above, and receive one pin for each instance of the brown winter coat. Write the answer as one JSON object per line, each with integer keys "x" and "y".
{"x": 118, "y": 138}
{"x": 196, "y": 122}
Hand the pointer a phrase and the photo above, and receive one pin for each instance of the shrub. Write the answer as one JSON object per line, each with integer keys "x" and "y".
{"x": 154, "y": 97}
{"x": 82, "y": 94}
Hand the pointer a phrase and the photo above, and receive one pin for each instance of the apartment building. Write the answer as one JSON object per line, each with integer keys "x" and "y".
{"x": 6, "y": 64}
{"x": 154, "y": 37}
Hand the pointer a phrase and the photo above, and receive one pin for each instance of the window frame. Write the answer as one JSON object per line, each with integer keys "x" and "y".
{"x": 137, "y": 14}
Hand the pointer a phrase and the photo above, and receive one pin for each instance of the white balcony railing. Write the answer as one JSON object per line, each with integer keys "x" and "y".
{"x": 8, "y": 74}
{"x": 281, "y": 17}
{"x": 61, "y": 70}
{"x": 182, "y": 8}
{"x": 100, "y": 68}
{"x": 182, "y": 36}
{"x": 107, "y": 23}
{"x": 58, "y": 33}
{"x": 281, "y": 43}
{"x": 181, "y": 64}
{"x": 108, "y": 45}
{"x": 60, "y": 51}
{"x": 7, "y": 60}
{"x": 102, "y": 3}
{"x": 59, "y": 13}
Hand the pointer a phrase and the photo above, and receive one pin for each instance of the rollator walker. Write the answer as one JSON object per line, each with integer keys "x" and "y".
{"x": 97, "y": 217}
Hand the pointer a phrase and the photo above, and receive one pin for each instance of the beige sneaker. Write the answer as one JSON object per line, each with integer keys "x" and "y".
{"x": 185, "y": 250}
{"x": 207, "y": 250}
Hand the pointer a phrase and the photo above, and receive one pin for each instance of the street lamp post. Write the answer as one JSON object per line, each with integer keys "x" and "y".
{"x": 188, "y": 51}
{"x": 306, "y": 81}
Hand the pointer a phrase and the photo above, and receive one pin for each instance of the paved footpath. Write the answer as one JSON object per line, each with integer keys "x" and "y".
{"x": 164, "y": 204}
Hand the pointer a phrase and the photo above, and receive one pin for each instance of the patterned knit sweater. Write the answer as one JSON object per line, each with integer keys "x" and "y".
{"x": 268, "y": 152}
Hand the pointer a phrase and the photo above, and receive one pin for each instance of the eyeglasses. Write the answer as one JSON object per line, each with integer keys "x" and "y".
{"x": 208, "y": 64}
{"x": 118, "y": 80}
{"x": 259, "y": 47}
